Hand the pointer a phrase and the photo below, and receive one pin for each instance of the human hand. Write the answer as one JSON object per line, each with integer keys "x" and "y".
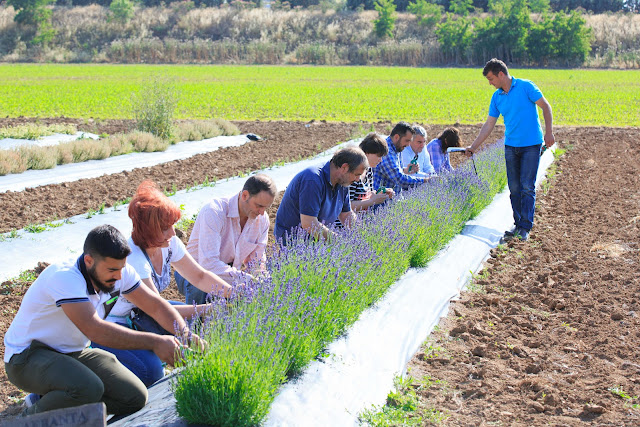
{"x": 167, "y": 347}
{"x": 197, "y": 343}
{"x": 390, "y": 193}
{"x": 468, "y": 151}
{"x": 379, "y": 198}
{"x": 549, "y": 139}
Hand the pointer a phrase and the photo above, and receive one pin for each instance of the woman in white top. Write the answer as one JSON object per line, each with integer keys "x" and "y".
{"x": 154, "y": 249}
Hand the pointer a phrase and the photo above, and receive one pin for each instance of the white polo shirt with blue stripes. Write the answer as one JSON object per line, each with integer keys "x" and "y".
{"x": 41, "y": 317}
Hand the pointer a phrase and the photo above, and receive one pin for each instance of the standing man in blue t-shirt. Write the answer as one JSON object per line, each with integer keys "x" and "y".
{"x": 516, "y": 100}
{"x": 319, "y": 195}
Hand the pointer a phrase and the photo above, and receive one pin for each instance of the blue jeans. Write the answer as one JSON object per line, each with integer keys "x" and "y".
{"x": 191, "y": 293}
{"x": 143, "y": 363}
{"x": 522, "y": 169}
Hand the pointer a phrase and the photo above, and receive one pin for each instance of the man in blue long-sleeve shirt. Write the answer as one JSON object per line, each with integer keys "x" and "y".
{"x": 389, "y": 172}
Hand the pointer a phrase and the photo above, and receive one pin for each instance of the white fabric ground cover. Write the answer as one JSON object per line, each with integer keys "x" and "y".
{"x": 59, "y": 244}
{"x": 44, "y": 141}
{"x": 316, "y": 290}
{"x": 126, "y": 162}
{"x": 362, "y": 365}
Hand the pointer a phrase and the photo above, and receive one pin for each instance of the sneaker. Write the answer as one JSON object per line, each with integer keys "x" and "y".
{"x": 510, "y": 232}
{"x": 521, "y": 234}
{"x": 31, "y": 399}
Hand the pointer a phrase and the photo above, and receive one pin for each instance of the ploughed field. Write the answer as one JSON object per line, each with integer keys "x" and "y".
{"x": 549, "y": 334}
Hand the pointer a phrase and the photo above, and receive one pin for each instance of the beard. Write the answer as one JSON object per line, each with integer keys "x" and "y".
{"x": 106, "y": 287}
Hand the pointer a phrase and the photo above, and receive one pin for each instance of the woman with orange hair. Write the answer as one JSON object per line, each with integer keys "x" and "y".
{"x": 154, "y": 249}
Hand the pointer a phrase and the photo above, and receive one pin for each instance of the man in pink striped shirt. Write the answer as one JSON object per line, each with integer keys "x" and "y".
{"x": 230, "y": 235}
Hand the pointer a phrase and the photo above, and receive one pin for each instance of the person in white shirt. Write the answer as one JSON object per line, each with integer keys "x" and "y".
{"x": 415, "y": 159}
{"x": 230, "y": 235}
{"x": 154, "y": 249}
{"x": 46, "y": 346}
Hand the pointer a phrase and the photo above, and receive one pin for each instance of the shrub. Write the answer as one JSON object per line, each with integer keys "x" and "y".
{"x": 11, "y": 162}
{"x": 154, "y": 107}
{"x": 39, "y": 157}
{"x": 195, "y": 130}
{"x": 35, "y": 130}
{"x": 147, "y": 142}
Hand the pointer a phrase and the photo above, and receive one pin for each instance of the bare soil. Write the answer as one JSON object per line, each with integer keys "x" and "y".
{"x": 552, "y": 326}
{"x": 555, "y": 325}
{"x": 283, "y": 142}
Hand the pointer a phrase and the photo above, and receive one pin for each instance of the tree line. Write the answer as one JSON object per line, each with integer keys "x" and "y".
{"x": 523, "y": 32}
{"x": 508, "y": 32}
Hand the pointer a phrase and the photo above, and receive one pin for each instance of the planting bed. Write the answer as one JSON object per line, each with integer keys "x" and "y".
{"x": 581, "y": 168}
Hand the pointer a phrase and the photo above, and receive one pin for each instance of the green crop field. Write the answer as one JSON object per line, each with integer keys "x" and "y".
{"x": 426, "y": 95}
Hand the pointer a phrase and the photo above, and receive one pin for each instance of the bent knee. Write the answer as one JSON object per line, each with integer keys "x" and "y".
{"x": 90, "y": 390}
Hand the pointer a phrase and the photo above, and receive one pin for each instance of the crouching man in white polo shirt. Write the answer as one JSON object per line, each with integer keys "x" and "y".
{"x": 46, "y": 346}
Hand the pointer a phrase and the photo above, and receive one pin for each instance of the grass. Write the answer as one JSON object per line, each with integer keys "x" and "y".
{"x": 403, "y": 406}
{"x": 315, "y": 290}
{"x": 350, "y": 94}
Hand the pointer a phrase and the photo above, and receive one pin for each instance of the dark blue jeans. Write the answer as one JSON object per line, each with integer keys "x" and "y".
{"x": 143, "y": 363}
{"x": 522, "y": 169}
{"x": 191, "y": 293}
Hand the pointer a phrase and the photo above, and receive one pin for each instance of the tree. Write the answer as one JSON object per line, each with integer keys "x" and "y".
{"x": 428, "y": 14}
{"x": 121, "y": 11}
{"x": 632, "y": 6}
{"x": 461, "y": 7}
{"x": 541, "y": 41}
{"x": 572, "y": 37}
{"x": 36, "y": 13}
{"x": 454, "y": 36}
{"x": 31, "y": 12}
{"x": 386, "y": 20}
{"x": 595, "y": 6}
{"x": 539, "y": 6}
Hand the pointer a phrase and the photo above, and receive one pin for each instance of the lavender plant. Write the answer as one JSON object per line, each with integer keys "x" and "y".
{"x": 315, "y": 290}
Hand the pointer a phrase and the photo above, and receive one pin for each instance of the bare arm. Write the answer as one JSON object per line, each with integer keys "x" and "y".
{"x": 158, "y": 308}
{"x": 348, "y": 218}
{"x": 202, "y": 279}
{"x": 314, "y": 227}
{"x": 487, "y": 127}
{"x": 375, "y": 199}
{"x": 109, "y": 334}
{"x": 549, "y": 138}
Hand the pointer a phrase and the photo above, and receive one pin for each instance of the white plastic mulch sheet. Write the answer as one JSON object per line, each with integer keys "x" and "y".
{"x": 95, "y": 168}
{"x": 362, "y": 365}
{"x": 59, "y": 244}
{"x": 44, "y": 141}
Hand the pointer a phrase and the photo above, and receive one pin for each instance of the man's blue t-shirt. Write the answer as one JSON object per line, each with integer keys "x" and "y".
{"x": 521, "y": 121}
{"x": 310, "y": 193}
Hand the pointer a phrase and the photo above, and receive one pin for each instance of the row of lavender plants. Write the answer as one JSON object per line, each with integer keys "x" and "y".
{"x": 317, "y": 289}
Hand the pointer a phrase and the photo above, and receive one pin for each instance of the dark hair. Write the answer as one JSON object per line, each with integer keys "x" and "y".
{"x": 495, "y": 66}
{"x": 353, "y": 156}
{"x": 151, "y": 213}
{"x": 106, "y": 241}
{"x": 260, "y": 182}
{"x": 374, "y": 143}
{"x": 450, "y": 137}
{"x": 402, "y": 128}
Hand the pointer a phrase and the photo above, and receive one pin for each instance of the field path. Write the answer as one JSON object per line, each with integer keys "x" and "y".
{"x": 553, "y": 335}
